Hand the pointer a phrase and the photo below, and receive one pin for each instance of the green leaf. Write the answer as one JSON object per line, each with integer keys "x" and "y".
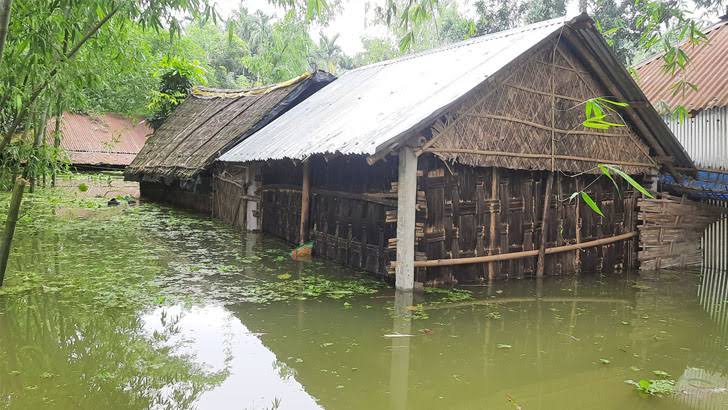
{"x": 406, "y": 42}
{"x": 592, "y": 204}
{"x": 606, "y": 172}
{"x": 631, "y": 181}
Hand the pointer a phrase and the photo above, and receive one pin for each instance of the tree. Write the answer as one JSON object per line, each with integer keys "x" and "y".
{"x": 498, "y": 15}
{"x": 539, "y": 10}
{"x": 48, "y": 43}
{"x": 328, "y": 54}
{"x": 176, "y": 80}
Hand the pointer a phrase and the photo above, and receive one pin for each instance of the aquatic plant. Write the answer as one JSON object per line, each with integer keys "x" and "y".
{"x": 658, "y": 387}
{"x": 448, "y": 295}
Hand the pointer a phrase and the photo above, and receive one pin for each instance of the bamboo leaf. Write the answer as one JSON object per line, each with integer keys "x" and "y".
{"x": 591, "y": 203}
{"x": 606, "y": 172}
{"x": 631, "y": 181}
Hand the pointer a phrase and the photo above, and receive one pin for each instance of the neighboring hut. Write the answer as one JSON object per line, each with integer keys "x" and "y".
{"x": 705, "y": 133}
{"x": 104, "y": 141}
{"x": 683, "y": 241}
{"x": 461, "y": 161}
{"x": 173, "y": 166}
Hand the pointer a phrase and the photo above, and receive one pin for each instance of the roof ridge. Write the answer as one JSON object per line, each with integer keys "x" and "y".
{"x": 209, "y": 92}
{"x": 473, "y": 40}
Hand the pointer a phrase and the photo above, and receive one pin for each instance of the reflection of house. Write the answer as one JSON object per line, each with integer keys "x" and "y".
{"x": 449, "y": 156}
{"x": 100, "y": 141}
{"x": 175, "y": 164}
{"x": 704, "y": 134}
{"x": 702, "y": 389}
{"x": 713, "y": 296}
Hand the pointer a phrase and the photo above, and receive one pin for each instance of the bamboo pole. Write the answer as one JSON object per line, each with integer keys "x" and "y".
{"x": 577, "y": 233}
{"x": 5, "y": 7}
{"x": 545, "y": 127}
{"x": 524, "y": 254}
{"x": 10, "y": 223}
{"x": 305, "y": 201}
{"x": 544, "y": 227}
{"x": 538, "y": 156}
{"x": 57, "y": 134}
{"x": 493, "y": 220}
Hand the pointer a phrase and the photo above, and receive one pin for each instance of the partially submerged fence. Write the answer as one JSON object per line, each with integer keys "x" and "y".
{"x": 672, "y": 231}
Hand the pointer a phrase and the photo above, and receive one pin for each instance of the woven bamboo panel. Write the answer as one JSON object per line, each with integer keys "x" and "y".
{"x": 467, "y": 216}
{"x": 671, "y": 229}
{"x": 195, "y": 197}
{"x": 228, "y": 195}
{"x": 511, "y": 114}
{"x": 349, "y": 205}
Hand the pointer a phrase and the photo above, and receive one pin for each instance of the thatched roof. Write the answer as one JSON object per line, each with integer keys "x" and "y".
{"x": 107, "y": 140}
{"x": 210, "y": 122}
{"x": 375, "y": 109}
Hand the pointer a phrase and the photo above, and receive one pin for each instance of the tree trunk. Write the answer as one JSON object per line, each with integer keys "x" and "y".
{"x": 5, "y": 6}
{"x": 10, "y": 223}
{"x": 57, "y": 135}
{"x": 39, "y": 133}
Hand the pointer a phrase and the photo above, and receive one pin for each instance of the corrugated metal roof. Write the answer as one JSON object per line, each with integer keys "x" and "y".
{"x": 707, "y": 69}
{"x": 108, "y": 139}
{"x": 369, "y": 106}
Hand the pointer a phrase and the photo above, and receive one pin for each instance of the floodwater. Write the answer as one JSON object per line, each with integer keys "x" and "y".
{"x": 147, "y": 307}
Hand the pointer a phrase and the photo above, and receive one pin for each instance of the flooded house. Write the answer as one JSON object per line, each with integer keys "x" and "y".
{"x": 175, "y": 164}
{"x": 460, "y": 164}
{"x": 704, "y": 135}
{"x": 104, "y": 141}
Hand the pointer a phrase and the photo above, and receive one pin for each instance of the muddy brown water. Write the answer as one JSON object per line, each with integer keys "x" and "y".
{"x": 148, "y": 307}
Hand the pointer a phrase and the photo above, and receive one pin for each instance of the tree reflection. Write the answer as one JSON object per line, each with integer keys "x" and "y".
{"x": 53, "y": 354}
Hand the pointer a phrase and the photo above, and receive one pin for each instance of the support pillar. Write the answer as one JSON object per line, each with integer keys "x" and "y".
{"x": 406, "y": 212}
{"x": 305, "y": 201}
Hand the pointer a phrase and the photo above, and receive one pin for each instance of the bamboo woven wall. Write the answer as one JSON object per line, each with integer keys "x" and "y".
{"x": 671, "y": 230}
{"x": 349, "y": 201}
{"x": 508, "y": 122}
{"x": 198, "y": 199}
{"x": 228, "y": 195}
{"x": 467, "y": 211}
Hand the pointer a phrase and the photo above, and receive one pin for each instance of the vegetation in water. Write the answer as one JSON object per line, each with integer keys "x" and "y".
{"x": 447, "y": 295}
{"x": 653, "y": 387}
{"x": 307, "y": 286}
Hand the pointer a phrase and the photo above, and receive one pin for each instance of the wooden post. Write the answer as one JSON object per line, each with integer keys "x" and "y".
{"x": 10, "y": 223}
{"x": 577, "y": 234}
{"x": 493, "y": 220}
{"x": 544, "y": 226}
{"x": 305, "y": 201}
{"x": 406, "y": 212}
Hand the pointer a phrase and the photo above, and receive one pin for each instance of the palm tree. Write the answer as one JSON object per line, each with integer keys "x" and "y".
{"x": 255, "y": 29}
{"x": 329, "y": 53}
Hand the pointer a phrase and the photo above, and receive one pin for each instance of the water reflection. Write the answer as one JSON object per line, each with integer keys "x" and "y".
{"x": 218, "y": 342}
{"x": 401, "y": 334}
{"x": 54, "y": 355}
{"x": 559, "y": 343}
{"x": 713, "y": 296}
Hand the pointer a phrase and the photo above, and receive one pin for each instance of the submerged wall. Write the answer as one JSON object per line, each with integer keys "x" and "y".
{"x": 197, "y": 199}
{"x": 475, "y": 211}
{"x": 462, "y": 212}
